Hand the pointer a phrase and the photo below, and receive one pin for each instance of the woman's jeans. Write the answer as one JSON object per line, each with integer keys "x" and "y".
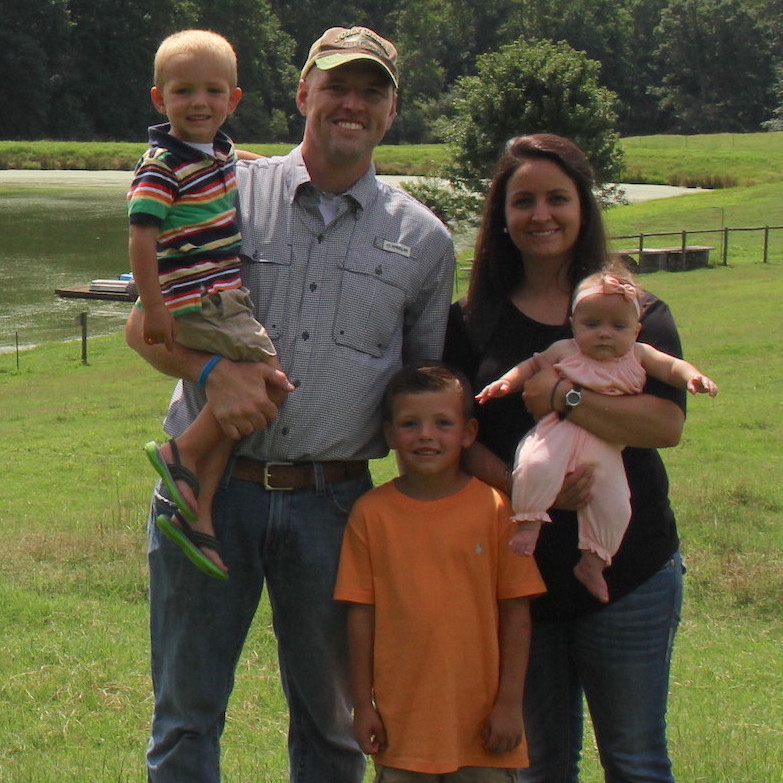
{"x": 289, "y": 540}
{"x": 619, "y": 659}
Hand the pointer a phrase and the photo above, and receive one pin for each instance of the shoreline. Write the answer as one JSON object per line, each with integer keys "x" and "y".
{"x": 72, "y": 178}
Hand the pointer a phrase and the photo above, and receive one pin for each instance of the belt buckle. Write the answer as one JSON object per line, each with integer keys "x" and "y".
{"x": 266, "y": 477}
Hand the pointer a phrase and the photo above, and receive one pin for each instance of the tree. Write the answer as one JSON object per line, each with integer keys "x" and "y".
{"x": 110, "y": 66}
{"x": 266, "y": 73}
{"x": 33, "y": 55}
{"x": 530, "y": 87}
{"x": 717, "y": 64}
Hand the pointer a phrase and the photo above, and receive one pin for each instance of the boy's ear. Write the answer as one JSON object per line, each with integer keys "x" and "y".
{"x": 388, "y": 433}
{"x": 233, "y": 102}
{"x": 470, "y": 433}
{"x": 157, "y": 100}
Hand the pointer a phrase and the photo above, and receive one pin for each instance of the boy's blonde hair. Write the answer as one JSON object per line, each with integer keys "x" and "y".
{"x": 195, "y": 42}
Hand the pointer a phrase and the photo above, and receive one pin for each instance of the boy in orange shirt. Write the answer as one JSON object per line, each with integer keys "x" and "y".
{"x": 439, "y": 622}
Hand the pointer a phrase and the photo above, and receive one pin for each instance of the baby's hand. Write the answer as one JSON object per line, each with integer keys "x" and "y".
{"x": 701, "y": 384}
{"x": 497, "y": 388}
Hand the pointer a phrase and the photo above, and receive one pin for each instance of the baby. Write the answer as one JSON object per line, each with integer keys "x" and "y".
{"x": 604, "y": 357}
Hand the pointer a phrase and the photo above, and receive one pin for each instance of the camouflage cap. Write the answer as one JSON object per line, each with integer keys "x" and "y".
{"x": 341, "y": 45}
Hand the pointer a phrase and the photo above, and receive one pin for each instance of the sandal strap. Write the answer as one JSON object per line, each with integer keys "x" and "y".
{"x": 179, "y": 472}
{"x": 197, "y": 537}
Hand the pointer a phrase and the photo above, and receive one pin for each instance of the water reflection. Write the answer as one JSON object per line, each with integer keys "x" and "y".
{"x": 61, "y": 236}
{"x": 51, "y": 238}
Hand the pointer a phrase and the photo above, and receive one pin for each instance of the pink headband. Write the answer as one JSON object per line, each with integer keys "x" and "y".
{"x": 607, "y": 284}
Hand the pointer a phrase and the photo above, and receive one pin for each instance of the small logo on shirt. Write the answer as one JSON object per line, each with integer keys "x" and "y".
{"x": 393, "y": 247}
{"x": 479, "y": 549}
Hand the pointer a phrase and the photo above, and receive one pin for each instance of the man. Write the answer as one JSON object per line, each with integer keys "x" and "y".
{"x": 351, "y": 278}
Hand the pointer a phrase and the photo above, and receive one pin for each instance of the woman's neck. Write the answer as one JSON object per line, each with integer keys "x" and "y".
{"x": 544, "y": 295}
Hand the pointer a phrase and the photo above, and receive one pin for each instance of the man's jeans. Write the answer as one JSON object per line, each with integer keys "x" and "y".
{"x": 290, "y": 540}
{"x": 619, "y": 658}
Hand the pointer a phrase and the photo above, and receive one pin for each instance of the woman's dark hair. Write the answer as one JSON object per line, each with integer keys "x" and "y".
{"x": 496, "y": 265}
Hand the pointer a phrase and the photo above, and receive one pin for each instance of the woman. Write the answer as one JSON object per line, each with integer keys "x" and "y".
{"x": 541, "y": 233}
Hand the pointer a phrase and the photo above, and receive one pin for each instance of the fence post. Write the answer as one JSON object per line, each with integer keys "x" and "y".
{"x": 766, "y": 243}
{"x": 684, "y": 243}
{"x": 725, "y": 246}
{"x": 83, "y": 322}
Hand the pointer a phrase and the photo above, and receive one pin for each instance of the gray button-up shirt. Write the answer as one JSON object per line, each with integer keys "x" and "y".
{"x": 345, "y": 304}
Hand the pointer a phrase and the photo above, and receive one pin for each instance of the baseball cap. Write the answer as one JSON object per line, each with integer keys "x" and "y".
{"x": 341, "y": 45}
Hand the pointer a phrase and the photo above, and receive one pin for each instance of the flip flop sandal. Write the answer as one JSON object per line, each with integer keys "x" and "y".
{"x": 190, "y": 542}
{"x": 170, "y": 473}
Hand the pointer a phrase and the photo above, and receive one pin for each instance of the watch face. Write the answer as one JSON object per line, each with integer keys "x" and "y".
{"x": 573, "y": 397}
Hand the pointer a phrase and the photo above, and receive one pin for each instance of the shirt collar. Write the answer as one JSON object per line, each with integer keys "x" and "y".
{"x": 160, "y": 136}
{"x": 363, "y": 191}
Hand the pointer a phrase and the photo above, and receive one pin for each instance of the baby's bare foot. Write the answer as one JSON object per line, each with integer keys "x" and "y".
{"x": 523, "y": 542}
{"x": 590, "y": 572}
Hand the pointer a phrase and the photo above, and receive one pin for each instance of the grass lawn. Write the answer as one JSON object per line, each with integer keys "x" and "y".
{"x": 74, "y": 688}
{"x": 710, "y": 160}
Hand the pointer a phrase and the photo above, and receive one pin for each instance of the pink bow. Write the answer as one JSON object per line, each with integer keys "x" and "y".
{"x": 609, "y": 284}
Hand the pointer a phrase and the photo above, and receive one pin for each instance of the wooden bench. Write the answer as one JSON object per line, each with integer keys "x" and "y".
{"x": 671, "y": 259}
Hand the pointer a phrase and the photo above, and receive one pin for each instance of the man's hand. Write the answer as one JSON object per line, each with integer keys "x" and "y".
{"x": 246, "y": 396}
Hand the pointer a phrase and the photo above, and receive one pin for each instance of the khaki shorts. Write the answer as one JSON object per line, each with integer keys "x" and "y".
{"x": 226, "y": 326}
{"x": 462, "y": 775}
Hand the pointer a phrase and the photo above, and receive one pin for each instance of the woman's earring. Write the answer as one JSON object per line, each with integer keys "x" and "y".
{"x": 505, "y": 229}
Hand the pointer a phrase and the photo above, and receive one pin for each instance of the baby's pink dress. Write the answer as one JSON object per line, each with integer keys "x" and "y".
{"x": 556, "y": 447}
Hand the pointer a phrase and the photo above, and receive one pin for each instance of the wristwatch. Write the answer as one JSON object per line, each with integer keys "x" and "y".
{"x": 573, "y": 398}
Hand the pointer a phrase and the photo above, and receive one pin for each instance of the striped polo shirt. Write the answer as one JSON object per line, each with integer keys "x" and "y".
{"x": 191, "y": 196}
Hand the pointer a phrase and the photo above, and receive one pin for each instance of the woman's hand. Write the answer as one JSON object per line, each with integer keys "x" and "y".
{"x": 576, "y": 490}
{"x": 538, "y": 389}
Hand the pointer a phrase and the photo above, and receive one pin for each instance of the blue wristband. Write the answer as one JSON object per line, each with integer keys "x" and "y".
{"x": 208, "y": 367}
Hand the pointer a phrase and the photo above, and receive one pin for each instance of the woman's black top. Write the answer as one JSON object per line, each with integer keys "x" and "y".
{"x": 651, "y": 538}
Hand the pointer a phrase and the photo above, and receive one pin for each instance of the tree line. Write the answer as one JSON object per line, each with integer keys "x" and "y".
{"x": 81, "y": 69}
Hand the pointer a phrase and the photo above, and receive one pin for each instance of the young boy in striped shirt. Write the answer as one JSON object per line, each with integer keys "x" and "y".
{"x": 184, "y": 251}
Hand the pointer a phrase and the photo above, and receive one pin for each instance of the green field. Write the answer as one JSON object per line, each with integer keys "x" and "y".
{"x": 75, "y": 695}
{"x": 721, "y": 160}
{"x": 710, "y": 161}
{"x": 411, "y": 159}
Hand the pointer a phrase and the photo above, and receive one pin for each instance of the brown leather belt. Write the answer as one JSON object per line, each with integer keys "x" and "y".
{"x": 296, "y": 475}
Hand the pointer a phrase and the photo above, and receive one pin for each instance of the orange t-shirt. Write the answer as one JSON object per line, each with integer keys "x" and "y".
{"x": 435, "y": 571}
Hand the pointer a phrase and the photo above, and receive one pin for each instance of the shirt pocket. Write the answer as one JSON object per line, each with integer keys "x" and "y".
{"x": 371, "y": 303}
{"x": 268, "y": 281}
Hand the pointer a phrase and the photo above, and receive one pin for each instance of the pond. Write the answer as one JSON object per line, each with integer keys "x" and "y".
{"x": 60, "y": 229}
{"x": 55, "y": 238}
